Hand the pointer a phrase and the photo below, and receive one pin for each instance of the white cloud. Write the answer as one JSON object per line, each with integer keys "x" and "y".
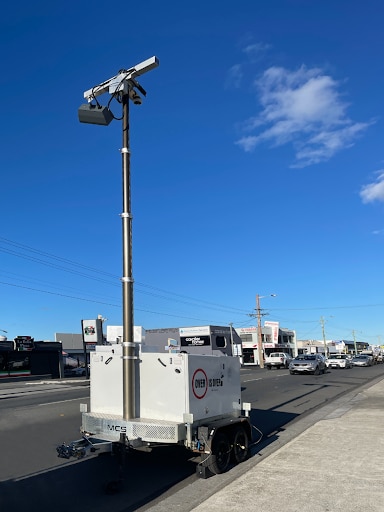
{"x": 374, "y": 191}
{"x": 256, "y": 50}
{"x": 234, "y": 77}
{"x": 304, "y": 108}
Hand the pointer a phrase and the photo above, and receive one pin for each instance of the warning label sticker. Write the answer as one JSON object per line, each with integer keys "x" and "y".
{"x": 199, "y": 383}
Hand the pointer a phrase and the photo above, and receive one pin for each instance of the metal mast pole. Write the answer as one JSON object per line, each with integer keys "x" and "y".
{"x": 127, "y": 279}
{"x": 124, "y": 86}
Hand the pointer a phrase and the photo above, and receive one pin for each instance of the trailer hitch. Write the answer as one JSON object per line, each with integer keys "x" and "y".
{"x": 81, "y": 447}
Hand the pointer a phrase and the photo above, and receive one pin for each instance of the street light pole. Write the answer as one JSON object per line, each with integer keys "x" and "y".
{"x": 260, "y": 352}
{"x": 259, "y": 333}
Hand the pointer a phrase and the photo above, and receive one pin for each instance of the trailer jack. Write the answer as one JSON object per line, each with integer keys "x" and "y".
{"x": 80, "y": 448}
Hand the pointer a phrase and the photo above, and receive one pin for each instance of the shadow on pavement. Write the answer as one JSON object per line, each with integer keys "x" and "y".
{"x": 86, "y": 484}
{"x": 265, "y": 426}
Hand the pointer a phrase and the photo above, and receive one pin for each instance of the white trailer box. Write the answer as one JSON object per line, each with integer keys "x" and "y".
{"x": 192, "y": 400}
{"x": 168, "y": 386}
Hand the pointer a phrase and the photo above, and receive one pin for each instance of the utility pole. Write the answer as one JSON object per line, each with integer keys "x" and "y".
{"x": 258, "y": 315}
{"x": 354, "y": 340}
{"x": 322, "y": 321}
{"x": 259, "y": 333}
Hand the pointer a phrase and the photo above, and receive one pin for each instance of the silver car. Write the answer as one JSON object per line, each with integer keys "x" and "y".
{"x": 308, "y": 363}
{"x": 361, "y": 360}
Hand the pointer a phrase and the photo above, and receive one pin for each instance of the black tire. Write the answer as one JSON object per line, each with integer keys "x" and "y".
{"x": 291, "y": 372}
{"x": 220, "y": 454}
{"x": 317, "y": 371}
{"x": 268, "y": 367}
{"x": 240, "y": 450}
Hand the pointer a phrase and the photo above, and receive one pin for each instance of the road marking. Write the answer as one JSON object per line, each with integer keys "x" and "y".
{"x": 250, "y": 380}
{"x": 62, "y": 401}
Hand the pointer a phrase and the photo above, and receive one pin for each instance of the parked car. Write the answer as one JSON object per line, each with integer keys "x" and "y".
{"x": 361, "y": 360}
{"x": 338, "y": 361}
{"x": 277, "y": 360}
{"x": 308, "y": 363}
{"x": 78, "y": 371}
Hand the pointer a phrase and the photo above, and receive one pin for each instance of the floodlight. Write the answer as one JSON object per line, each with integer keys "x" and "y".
{"x": 94, "y": 114}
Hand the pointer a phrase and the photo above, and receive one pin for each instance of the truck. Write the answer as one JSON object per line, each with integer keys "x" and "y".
{"x": 193, "y": 400}
{"x": 277, "y": 360}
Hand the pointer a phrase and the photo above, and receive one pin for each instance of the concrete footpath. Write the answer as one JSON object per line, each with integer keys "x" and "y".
{"x": 332, "y": 460}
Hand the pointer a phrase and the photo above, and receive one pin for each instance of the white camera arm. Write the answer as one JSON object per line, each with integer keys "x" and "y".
{"x": 119, "y": 83}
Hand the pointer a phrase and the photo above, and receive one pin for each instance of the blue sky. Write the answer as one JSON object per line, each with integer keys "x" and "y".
{"x": 257, "y": 166}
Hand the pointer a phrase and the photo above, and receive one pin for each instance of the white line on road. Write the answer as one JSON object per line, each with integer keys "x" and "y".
{"x": 62, "y": 401}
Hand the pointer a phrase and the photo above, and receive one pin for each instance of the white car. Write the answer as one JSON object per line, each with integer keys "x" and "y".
{"x": 338, "y": 361}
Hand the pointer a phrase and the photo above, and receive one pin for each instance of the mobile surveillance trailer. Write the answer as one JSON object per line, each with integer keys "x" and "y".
{"x": 143, "y": 398}
{"x": 180, "y": 399}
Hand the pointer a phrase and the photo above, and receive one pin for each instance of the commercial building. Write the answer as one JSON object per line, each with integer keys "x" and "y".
{"x": 274, "y": 339}
{"x": 25, "y": 357}
{"x": 331, "y": 346}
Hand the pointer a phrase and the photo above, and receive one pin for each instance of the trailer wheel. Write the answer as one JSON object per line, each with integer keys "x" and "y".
{"x": 240, "y": 445}
{"x": 220, "y": 455}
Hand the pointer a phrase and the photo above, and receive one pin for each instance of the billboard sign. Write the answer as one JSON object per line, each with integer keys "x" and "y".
{"x": 195, "y": 341}
{"x": 275, "y": 330}
{"x": 92, "y": 331}
{"x": 24, "y": 343}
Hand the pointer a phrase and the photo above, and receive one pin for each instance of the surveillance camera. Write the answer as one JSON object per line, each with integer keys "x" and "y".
{"x": 135, "y": 98}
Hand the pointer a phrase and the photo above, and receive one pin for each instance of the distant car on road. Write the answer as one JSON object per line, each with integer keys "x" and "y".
{"x": 308, "y": 363}
{"x": 338, "y": 361}
{"x": 277, "y": 360}
{"x": 78, "y": 371}
{"x": 361, "y": 360}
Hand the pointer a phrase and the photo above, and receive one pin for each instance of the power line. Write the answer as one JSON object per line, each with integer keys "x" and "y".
{"x": 195, "y": 302}
{"x": 180, "y": 315}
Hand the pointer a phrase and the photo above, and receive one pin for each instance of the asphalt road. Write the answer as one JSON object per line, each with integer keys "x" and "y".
{"x": 33, "y": 422}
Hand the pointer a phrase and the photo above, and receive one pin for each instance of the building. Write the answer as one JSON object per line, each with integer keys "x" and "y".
{"x": 331, "y": 346}
{"x": 206, "y": 339}
{"x": 25, "y": 357}
{"x": 274, "y": 339}
{"x": 73, "y": 345}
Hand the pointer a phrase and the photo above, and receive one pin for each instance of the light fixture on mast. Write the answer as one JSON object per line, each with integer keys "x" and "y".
{"x": 124, "y": 83}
